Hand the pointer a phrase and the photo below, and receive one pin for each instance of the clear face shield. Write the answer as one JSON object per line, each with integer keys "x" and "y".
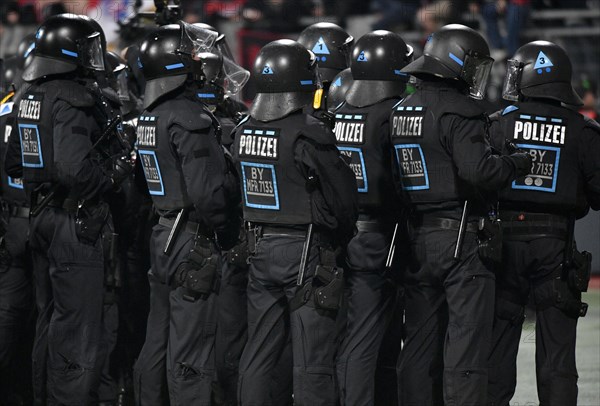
{"x": 91, "y": 52}
{"x": 195, "y": 40}
{"x": 510, "y": 90}
{"x": 346, "y": 49}
{"x": 234, "y": 77}
{"x": 121, "y": 75}
{"x": 476, "y": 72}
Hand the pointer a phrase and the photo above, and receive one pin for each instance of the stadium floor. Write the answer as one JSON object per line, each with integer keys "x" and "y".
{"x": 588, "y": 358}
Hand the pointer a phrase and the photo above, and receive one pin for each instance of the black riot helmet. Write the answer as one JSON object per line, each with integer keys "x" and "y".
{"x": 456, "y": 52}
{"x": 64, "y": 43}
{"x": 169, "y": 55}
{"x": 331, "y": 45}
{"x": 10, "y": 71}
{"x": 377, "y": 61}
{"x": 543, "y": 70}
{"x": 336, "y": 94}
{"x": 224, "y": 77}
{"x": 25, "y": 48}
{"x": 286, "y": 77}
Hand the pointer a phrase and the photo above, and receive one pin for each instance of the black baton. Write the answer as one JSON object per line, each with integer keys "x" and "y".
{"x": 461, "y": 231}
{"x": 174, "y": 232}
{"x": 305, "y": 253}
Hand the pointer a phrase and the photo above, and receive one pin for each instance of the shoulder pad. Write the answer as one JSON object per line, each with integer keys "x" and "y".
{"x": 73, "y": 93}
{"x": 317, "y": 130}
{"x": 189, "y": 116}
{"x": 591, "y": 124}
{"x": 464, "y": 107}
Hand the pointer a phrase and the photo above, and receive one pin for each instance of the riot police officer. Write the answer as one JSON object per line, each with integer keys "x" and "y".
{"x": 331, "y": 45}
{"x": 232, "y": 319}
{"x": 340, "y": 84}
{"x": 445, "y": 166}
{"x": 15, "y": 258}
{"x": 196, "y": 196}
{"x": 299, "y": 199}
{"x": 362, "y": 135}
{"x": 66, "y": 174}
{"x": 538, "y": 211}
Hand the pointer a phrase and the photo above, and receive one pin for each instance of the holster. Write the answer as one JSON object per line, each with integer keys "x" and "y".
{"x": 198, "y": 274}
{"x": 489, "y": 240}
{"x": 326, "y": 286}
{"x": 567, "y": 300}
{"x": 238, "y": 255}
{"x": 89, "y": 222}
{"x": 579, "y": 273}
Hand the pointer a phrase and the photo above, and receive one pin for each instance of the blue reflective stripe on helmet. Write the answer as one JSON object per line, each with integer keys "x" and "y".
{"x": 456, "y": 59}
{"x": 174, "y": 66}
{"x": 306, "y": 82}
{"x": 69, "y": 53}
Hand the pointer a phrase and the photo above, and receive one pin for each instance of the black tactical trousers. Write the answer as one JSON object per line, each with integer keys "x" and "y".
{"x": 15, "y": 310}
{"x": 372, "y": 299}
{"x": 531, "y": 267}
{"x": 177, "y": 361}
{"x": 69, "y": 280}
{"x": 272, "y": 283}
{"x": 232, "y": 328}
{"x": 449, "y": 309}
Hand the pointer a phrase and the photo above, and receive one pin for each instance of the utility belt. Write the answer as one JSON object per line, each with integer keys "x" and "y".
{"x": 191, "y": 227}
{"x": 487, "y": 229}
{"x": 326, "y": 287}
{"x": 14, "y": 210}
{"x": 443, "y": 223}
{"x": 523, "y": 226}
{"x": 369, "y": 224}
{"x": 257, "y": 230}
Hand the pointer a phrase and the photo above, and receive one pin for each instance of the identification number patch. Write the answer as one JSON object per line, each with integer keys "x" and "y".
{"x": 16, "y": 183}
{"x": 544, "y": 169}
{"x": 152, "y": 172}
{"x": 357, "y": 164}
{"x": 413, "y": 169}
{"x": 260, "y": 186}
{"x": 31, "y": 148}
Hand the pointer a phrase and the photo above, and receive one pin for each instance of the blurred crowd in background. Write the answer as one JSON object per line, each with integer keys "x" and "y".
{"x": 250, "y": 24}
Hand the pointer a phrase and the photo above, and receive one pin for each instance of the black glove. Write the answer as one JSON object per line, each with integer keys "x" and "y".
{"x": 127, "y": 137}
{"x": 522, "y": 161}
{"x": 198, "y": 273}
{"x": 121, "y": 169}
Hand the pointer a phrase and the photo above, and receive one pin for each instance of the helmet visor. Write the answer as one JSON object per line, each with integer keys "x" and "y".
{"x": 510, "y": 90}
{"x": 195, "y": 40}
{"x": 476, "y": 72}
{"x": 313, "y": 66}
{"x": 91, "y": 52}
{"x": 235, "y": 77}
